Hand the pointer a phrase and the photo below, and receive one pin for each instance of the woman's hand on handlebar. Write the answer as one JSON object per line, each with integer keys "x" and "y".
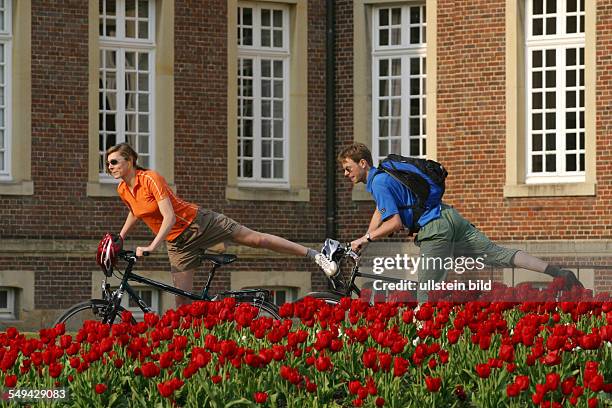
{"x": 143, "y": 251}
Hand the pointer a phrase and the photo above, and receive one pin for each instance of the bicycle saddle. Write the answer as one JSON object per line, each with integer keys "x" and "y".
{"x": 220, "y": 259}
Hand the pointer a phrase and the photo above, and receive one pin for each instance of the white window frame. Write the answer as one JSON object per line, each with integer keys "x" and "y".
{"x": 136, "y": 311}
{"x": 405, "y": 52}
{"x": 257, "y": 53}
{"x": 559, "y": 42}
{"x": 6, "y": 38}
{"x": 9, "y": 311}
{"x": 121, "y": 44}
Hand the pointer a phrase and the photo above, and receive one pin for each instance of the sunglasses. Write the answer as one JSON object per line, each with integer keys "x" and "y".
{"x": 113, "y": 162}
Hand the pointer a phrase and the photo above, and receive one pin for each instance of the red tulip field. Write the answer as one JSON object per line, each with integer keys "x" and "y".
{"x": 391, "y": 354}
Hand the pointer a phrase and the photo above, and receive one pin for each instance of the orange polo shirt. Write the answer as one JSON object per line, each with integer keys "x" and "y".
{"x": 149, "y": 189}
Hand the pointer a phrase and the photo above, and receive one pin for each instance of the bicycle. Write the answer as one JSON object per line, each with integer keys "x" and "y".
{"x": 340, "y": 287}
{"x": 109, "y": 306}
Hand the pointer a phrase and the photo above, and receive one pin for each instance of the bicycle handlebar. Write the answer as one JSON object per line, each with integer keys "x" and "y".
{"x": 348, "y": 251}
{"x": 126, "y": 255}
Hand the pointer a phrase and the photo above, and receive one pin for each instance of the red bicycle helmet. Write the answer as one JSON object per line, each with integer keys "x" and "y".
{"x": 108, "y": 249}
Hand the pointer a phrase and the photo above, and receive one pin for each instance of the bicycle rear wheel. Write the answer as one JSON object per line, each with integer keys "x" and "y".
{"x": 265, "y": 309}
{"x": 93, "y": 309}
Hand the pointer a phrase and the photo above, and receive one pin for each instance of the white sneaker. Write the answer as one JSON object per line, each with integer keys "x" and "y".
{"x": 329, "y": 267}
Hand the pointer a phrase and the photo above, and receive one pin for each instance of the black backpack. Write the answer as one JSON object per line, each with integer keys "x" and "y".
{"x": 425, "y": 178}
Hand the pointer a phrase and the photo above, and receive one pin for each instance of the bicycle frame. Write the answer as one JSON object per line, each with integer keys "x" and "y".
{"x": 130, "y": 276}
{"x": 351, "y": 287}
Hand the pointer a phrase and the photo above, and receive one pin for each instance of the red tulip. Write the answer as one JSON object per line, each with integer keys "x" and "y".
{"x": 164, "y": 389}
{"x": 150, "y": 370}
{"x": 323, "y": 363}
{"x": 400, "y": 366}
{"x": 484, "y": 342}
{"x": 512, "y": 390}
{"x": 506, "y": 353}
{"x": 483, "y": 370}
{"x": 537, "y": 398}
{"x": 522, "y": 381}
{"x": 354, "y": 387}
{"x": 567, "y": 385}
{"x": 453, "y": 336}
{"x": 10, "y": 380}
{"x": 385, "y": 361}
{"x": 260, "y": 397}
{"x": 408, "y": 316}
{"x": 380, "y": 401}
{"x": 552, "y": 358}
{"x": 310, "y": 386}
{"x": 593, "y": 402}
{"x": 100, "y": 388}
{"x": 433, "y": 384}
{"x": 596, "y": 383}
{"x": 369, "y": 358}
{"x": 552, "y": 381}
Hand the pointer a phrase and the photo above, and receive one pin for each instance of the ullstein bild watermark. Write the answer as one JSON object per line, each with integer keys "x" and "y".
{"x": 459, "y": 265}
{"x": 408, "y": 285}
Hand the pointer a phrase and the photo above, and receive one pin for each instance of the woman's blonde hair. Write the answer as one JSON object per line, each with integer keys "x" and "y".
{"x": 126, "y": 151}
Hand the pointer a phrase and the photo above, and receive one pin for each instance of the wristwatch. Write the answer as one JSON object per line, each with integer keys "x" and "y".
{"x": 367, "y": 236}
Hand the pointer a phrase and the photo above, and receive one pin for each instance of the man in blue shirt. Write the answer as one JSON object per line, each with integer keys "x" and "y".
{"x": 442, "y": 232}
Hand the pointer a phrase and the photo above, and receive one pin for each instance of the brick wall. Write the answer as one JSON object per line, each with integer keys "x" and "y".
{"x": 60, "y": 207}
{"x": 471, "y": 129}
{"x": 201, "y": 123}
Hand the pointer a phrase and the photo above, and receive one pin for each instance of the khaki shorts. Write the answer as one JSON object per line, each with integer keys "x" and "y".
{"x": 206, "y": 230}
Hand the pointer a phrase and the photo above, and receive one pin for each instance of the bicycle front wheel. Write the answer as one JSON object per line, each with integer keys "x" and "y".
{"x": 329, "y": 298}
{"x": 94, "y": 309}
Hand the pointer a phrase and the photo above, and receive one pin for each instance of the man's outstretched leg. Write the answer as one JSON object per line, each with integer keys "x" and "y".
{"x": 525, "y": 261}
{"x": 254, "y": 239}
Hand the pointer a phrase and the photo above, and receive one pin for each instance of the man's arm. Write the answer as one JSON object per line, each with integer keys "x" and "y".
{"x": 165, "y": 207}
{"x": 388, "y": 227}
{"x": 375, "y": 221}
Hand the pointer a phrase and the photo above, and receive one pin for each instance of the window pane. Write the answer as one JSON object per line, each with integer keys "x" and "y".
{"x": 538, "y": 6}
{"x": 383, "y": 17}
{"x": 537, "y": 58}
{"x": 570, "y": 141}
{"x": 536, "y": 163}
{"x": 4, "y": 299}
{"x": 570, "y": 162}
{"x": 396, "y": 16}
{"x": 278, "y": 18}
{"x": 383, "y": 37}
{"x": 536, "y": 100}
{"x": 536, "y": 143}
{"x": 537, "y": 28}
{"x": 415, "y": 15}
{"x": 572, "y": 24}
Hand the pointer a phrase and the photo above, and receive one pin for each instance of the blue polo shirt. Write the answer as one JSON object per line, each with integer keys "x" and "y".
{"x": 392, "y": 197}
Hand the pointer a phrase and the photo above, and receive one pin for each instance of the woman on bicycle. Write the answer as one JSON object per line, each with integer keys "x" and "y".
{"x": 187, "y": 228}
